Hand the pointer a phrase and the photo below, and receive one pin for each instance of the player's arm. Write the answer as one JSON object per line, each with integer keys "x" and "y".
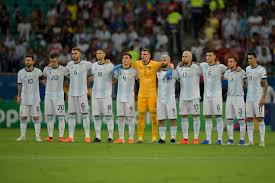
{"x": 264, "y": 86}
{"x": 19, "y": 90}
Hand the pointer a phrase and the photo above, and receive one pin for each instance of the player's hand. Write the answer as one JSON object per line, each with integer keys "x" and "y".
{"x": 116, "y": 68}
{"x": 169, "y": 74}
{"x": 262, "y": 102}
{"x": 18, "y": 99}
{"x": 239, "y": 69}
{"x": 91, "y": 78}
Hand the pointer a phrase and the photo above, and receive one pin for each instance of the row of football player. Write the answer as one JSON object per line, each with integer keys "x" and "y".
{"x": 102, "y": 73}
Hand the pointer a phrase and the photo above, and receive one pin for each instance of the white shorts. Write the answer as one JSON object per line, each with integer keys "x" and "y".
{"x": 102, "y": 106}
{"x": 235, "y": 107}
{"x": 166, "y": 110}
{"x": 30, "y": 110}
{"x": 254, "y": 109}
{"x": 54, "y": 106}
{"x": 189, "y": 107}
{"x": 212, "y": 105}
{"x": 78, "y": 104}
{"x": 125, "y": 108}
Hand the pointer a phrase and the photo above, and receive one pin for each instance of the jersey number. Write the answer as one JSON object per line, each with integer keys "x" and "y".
{"x": 30, "y": 81}
{"x": 99, "y": 74}
{"x": 184, "y": 74}
{"x": 60, "y": 108}
{"x": 54, "y": 77}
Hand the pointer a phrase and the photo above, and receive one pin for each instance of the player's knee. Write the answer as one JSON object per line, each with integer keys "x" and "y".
{"x": 260, "y": 119}
{"x": 162, "y": 123}
{"x": 97, "y": 117}
{"x": 173, "y": 122}
{"x": 85, "y": 115}
{"x": 141, "y": 114}
{"x": 49, "y": 117}
{"x": 248, "y": 119}
{"x": 61, "y": 117}
{"x": 207, "y": 116}
{"x": 24, "y": 119}
{"x": 36, "y": 119}
{"x": 184, "y": 116}
{"x": 108, "y": 118}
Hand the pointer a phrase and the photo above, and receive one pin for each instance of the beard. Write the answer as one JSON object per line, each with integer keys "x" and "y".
{"x": 164, "y": 65}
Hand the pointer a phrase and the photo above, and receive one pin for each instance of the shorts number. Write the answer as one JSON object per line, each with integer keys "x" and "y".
{"x": 174, "y": 111}
{"x": 38, "y": 110}
{"x": 82, "y": 106}
{"x": 240, "y": 111}
{"x": 218, "y": 107}
{"x": 260, "y": 109}
{"x": 196, "y": 107}
{"x": 60, "y": 108}
{"x": 109, "y": 107}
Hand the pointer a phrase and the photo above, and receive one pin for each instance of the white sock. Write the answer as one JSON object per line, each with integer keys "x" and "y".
{"x": 23, "y": 127}
{"x": 262, "y": 131}
{"x": 162, "y": 132}
{"x": 72, "y": 123}
{"x": 110, "y": 126}
{"x": 37, "y": 127}
{"x": 121, "y": 126}
{"x": 97, "y": 125}
{"x": 250, "y": 130}
{"x": 220, "y": 127}
{"x": 230, "y": 128}
{"x": 61, "y": 126}
{"x": 184, "y": 127}
{"x": 242, "y": 129}
{"x": 86, "y": 124}
{"x": 50, "y": 124}
{"x": 196, "y": 126}
{"x": 208, "y": 128}
{"x": 131, "y": 125}
{"x": 173, "y": 131}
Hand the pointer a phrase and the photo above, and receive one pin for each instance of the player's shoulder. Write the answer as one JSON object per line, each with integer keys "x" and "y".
{"x": 21, "y": 71}
{"x": 70, "y": 63}
{"x": 35, "y": 69}
{"x": 261, "y": 68}
{"x": 248, "y": 68}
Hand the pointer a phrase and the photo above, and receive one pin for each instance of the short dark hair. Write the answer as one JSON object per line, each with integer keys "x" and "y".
{"x": 126, "y": 53}
{"x": 76, "y": 49}
{"x": 54, "y": 55}
{"x": 211, "y": 51}
{"x": 146, "y": 49}
{"x": 101, "y": 49}
{"x": 252, "y": 53}
{"x": 29, "y": 55}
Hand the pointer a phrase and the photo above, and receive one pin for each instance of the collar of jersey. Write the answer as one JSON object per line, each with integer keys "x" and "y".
{"x": 56, "y": 67}
{"x": 29, "y": 71}
{"x": 187, "y": 65}
{"x": 77, "y": 63}
{"x": 254, "y": 67}
{"x": 147, "y": 63}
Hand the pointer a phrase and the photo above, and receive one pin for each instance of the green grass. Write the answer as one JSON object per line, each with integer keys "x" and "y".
{"x": 80, "y": 162}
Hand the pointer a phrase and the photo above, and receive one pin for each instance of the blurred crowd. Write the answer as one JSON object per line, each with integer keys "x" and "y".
{"x": 228, "y": 26}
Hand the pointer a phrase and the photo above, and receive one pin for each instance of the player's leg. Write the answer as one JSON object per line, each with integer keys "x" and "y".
{"x": 218, "y": 108}
{"x": 84, "y": 110}
{"x": 36, "y": 117}
{"x": 184, "y": 111}
{"x": 239, "y": 110}
{"x": 96, "y": 105}
{"x": 260, "y": 117}
{"x": 207, "y": 112}
{"x": 142, "y": 108}
{"x": 152, "y": 105}
{"x": 60, "y": 112}
{"x": 121, "y": 107}
{"x": 230, "y": 114}
{"x": 24, "y": 113}
{"x": 249, "y": 121}
{"x": 195, "y": 111}
{"x": 49, "y": 114}
{"x": 130, "y": 113}
{"x": 161, "y": 115}
{"x": 108, "y": 117}
{"x": 171, "y": 110}
{"x": 72, "y": 110}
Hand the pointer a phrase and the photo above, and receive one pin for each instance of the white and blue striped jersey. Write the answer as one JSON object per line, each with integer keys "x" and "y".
{"x": 102, "y": 74}
{"x": 55, "y": 80}
{"x": 126, "y": 84}
{"x": 212, "y": 76}
{"x": 189, "y": 77}
{"x": 254, "y": 77}
{"x": 235, "y": 82}
{"x": 78, "y": 77}
{"x": 30, "y": 86}
{"x": 166, "y": 88}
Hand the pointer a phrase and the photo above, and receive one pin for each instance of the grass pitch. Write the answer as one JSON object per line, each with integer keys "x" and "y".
{"x": 80, "y": 162}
